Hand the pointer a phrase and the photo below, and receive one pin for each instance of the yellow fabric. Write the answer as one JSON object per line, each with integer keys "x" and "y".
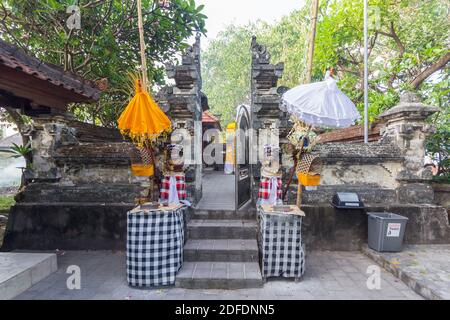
{"x": 309, "y": 180}
{"x": 229, "y": 157}
{"x": 231, "y": 126}
{"x": 142, "y": 170}
{"x": 142, "y": 120}
{"x": 231, "y": 142}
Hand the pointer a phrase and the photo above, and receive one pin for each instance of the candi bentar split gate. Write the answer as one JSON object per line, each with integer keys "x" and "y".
{"x": 81, "y": 185}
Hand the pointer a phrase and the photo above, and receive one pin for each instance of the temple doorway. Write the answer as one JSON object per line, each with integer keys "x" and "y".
{"x": 225, "y": 188}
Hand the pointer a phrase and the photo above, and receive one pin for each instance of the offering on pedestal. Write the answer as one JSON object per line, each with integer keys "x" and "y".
{"x": 270, "y": 187}
{"x": 173, "y": 184}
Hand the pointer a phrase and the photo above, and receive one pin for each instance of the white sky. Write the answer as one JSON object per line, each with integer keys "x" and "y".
{"x": 223, "y": 12}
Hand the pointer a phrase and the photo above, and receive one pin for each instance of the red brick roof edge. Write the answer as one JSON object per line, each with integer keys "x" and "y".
{"x": 16, "y": 58}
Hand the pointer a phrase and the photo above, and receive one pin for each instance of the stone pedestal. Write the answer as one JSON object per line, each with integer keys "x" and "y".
{"x": 406, "y": 127}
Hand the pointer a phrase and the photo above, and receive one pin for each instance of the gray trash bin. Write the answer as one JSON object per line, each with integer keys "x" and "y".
{"x": 386, "y": 231}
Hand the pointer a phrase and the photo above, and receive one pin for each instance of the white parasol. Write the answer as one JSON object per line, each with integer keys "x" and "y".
{"x": 321, "y": 104}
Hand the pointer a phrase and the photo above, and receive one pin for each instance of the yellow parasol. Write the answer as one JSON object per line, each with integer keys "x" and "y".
{"x": 142, "y": 120}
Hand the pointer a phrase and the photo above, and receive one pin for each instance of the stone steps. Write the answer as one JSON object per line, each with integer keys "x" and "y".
{"x": 213, "y": 250}
{"x": 219, "y": 275}
{"x": 200, "y": 214}
{"x": 221, "y": 229}
{"x": 221, "y": 251}
{"x": 19, "y": 271}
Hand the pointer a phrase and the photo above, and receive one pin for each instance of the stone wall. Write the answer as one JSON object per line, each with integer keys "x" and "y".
{"x": 80, "y": 186}
{"x": 388, "y": 173}
{"x": 325, "y": 228}
{"x": 77, "y": 194}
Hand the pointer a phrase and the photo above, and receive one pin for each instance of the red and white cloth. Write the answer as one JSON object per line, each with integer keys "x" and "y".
{"x": 270, "y": 191}
{"x": 173, "y": 189}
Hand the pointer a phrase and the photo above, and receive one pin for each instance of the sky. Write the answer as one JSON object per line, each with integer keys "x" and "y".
{"x": 223, "y": 12}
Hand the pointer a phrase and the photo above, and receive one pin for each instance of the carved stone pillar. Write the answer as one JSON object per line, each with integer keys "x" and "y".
{"x": 406, "y": 127}
{"x": 265, "y": 103}
{"x": 182, "y": 103}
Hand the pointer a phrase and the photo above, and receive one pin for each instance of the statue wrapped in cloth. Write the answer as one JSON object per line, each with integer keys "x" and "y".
{"x": 270, "y": 187}
{"x": 173, "y": 184}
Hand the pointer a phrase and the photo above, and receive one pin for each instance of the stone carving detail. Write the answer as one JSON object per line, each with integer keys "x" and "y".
{"x": 47, "y": 135}
{"x": 264, "y": 95}
{"x": 266, "y": 114}
{"x": 259, "y": 52}
{"x": 182, "y": 102}
{"x": 406, "y": 128}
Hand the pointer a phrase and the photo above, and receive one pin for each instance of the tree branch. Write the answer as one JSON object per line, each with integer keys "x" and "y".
{"x": 438, "y": 65}
{"x": 392, "y": 34}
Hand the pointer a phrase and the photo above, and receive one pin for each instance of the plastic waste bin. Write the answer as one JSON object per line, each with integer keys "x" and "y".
{"x": 386, "y": 231}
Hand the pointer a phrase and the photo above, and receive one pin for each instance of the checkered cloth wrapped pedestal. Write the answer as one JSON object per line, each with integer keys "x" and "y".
{"x": 281, "y": 246}
{"x": 154, "y": 247}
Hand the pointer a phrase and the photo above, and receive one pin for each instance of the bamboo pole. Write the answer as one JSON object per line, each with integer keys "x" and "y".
{"x": 142, "y": 46}
{"x": 312, "y": 38}
{"x": 299, "y": 185}
{"x": 151, "y": 191}
{"x": 309, "y": 66}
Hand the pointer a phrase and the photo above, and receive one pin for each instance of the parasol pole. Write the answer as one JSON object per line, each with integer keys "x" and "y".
{"x": 145, "y": 88}
{"x": 299, "y": 185}
{"x": 142, "y": 46}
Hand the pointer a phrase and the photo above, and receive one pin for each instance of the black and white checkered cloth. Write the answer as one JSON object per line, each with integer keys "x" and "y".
{"x": 154, "y": 247}
{"x": 281, "y": 246}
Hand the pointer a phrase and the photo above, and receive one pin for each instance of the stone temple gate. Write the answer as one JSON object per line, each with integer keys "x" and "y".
{"x": 81, "y": 185}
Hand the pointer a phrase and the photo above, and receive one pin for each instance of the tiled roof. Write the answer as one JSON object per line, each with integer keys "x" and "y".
{"x": 15, "y": 58}
{"x": 208, "y": 117}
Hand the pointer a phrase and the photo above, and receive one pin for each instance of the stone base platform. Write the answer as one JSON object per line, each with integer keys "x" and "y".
{"x": 100, "y": 226}
{"x": 20, "y": 271}
{"x": 423, "y": 268}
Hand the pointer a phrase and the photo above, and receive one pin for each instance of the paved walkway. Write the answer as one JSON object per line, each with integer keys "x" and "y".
{"x": 329, "y": 275}
{"x": 425, "y": 268}
{"x": 218, "y": 191}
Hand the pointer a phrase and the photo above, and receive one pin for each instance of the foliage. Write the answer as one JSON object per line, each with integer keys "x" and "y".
{"x": 406, "y": 38}
{"x": 226, "y": 71}
{"x": 6, "y": 202}
{"x": 409, "y": 49}
{"x": 20, "y": 151}
{"x": 106, "y": 46}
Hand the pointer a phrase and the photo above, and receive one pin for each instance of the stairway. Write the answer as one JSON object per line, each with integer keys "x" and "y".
{"x": 221, "y": 251}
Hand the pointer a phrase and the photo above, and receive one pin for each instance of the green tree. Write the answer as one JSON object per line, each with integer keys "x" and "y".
{"x": 408, "y": 46}
{"x": 226, "y": 70}
{"x": 106, "y": 45}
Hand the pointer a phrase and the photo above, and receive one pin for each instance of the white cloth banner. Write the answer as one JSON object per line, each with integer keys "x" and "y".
{"x": 272, "y": 200}
{"x": 173, "y": 193}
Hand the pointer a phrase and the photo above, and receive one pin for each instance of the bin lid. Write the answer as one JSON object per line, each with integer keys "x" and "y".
{"x": 387, "y": 216}
{"x": 347, "y": 200}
